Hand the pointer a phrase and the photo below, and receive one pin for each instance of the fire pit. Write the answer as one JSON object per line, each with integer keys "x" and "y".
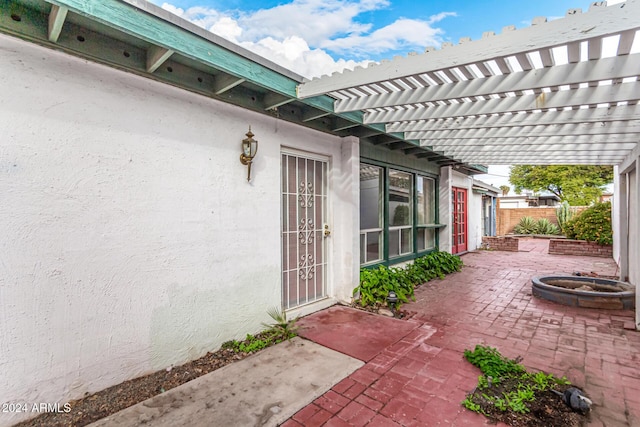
{"x": 589, "y": 292}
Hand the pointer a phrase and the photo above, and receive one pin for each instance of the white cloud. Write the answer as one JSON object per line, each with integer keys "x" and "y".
{"x": 295, "y": 54}
{"x": 227, "y": 28}
{"x": 299, "y": 35}
{"x": 401, "y": 34}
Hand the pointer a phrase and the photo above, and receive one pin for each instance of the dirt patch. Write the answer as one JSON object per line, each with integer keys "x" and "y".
{"x": 582, "y": 285}
{"x": 547, "y": 410}
{"x": 118, "y": 397}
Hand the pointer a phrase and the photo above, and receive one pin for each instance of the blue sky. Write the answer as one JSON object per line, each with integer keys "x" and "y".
{"x": 314, "y": 37}
{"x": 317, "y": 37}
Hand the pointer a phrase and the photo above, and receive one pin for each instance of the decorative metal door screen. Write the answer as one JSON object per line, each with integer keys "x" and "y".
{"x": 304, "y": 213}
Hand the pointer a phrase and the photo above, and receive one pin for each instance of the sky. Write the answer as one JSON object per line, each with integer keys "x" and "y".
{"x": 317, "y": 37}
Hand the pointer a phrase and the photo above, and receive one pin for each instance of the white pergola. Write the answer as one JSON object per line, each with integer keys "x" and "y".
{"x": 558, "y": 92}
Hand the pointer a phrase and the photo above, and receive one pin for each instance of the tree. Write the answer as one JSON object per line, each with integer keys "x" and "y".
{"x": 505, "y": 189}
{"x": 578, "y": 185}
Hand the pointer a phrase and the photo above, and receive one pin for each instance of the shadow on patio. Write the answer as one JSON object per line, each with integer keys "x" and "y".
{"x": 421, "y": 377}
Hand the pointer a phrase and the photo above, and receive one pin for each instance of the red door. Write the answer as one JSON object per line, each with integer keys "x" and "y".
{"x": 459, "y": 220}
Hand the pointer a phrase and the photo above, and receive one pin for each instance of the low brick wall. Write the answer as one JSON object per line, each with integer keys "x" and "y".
{"x": 500, "y": 243}
{"x": 579, "y": 247}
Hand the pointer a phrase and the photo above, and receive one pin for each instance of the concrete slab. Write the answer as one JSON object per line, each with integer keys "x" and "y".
{"x": 354, "y": 332}
{"x": 262, "y": 390}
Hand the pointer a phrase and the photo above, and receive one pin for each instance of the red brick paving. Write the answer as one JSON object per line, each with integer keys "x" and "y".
{"x": 421, "y": 378}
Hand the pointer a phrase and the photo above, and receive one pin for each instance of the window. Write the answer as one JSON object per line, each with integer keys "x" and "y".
{"x": 426, "y": 195}
{"x": 371, "y": 216}
{"x": 400, "y": 213}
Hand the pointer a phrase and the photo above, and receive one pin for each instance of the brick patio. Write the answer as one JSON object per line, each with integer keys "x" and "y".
{"x": 421, "y": 378}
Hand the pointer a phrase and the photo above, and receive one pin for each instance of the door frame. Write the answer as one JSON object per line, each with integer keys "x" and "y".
{"x": 455, "y": 246}
{"x": 326, "y": 285}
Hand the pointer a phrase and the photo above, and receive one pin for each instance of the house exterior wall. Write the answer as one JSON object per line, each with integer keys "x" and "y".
{"x": 449, "y": 178}
{"x": 475, "y": 218}
{"x": 444, "y": 208}
{"x": 626, "y": 220}
{"x": 132, "y": 240}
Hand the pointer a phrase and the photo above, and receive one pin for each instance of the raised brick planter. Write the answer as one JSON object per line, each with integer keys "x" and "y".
{"x": 509, "y": 244}
{"x": 579, "y": 247}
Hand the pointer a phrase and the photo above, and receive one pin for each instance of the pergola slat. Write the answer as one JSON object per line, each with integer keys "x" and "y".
{"x": 605, "y": 69}
{"x": 591, "y": 115}
{"x": 567, "y": 98}
{"x": 573, "y": 129}
{"x": 547, "y": 94}
{"x": 598, "y": 22}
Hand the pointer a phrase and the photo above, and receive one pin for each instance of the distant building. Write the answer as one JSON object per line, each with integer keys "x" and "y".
{"x": 529, "y": 201}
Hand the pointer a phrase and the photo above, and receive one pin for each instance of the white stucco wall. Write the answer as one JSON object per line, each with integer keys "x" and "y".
{"x": 131, "y": 239}
{"x": 444, "y": 208}
{"x": 615, "y": 214}
{"x": 449, "y": 178}
{"x": 626, "y": 220}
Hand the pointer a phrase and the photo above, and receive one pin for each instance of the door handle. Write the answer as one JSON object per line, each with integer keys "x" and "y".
{"x": 327, "y": 232}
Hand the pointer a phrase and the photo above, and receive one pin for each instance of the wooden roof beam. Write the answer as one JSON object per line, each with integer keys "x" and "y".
{"x": 57, "y": 16}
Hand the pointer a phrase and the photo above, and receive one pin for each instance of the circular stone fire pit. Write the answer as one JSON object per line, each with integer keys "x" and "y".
{"x": 589, "y": 292}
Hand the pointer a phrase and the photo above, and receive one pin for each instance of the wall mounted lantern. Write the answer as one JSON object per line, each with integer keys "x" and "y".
{"x": 249, "y": 150}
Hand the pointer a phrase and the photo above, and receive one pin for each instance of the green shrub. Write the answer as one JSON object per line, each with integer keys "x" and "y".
{"x": 526, "y": 225}
{"x": 592, "y": 225}
{"x": 545, "y": 227}
{"x": 375, "y": 284}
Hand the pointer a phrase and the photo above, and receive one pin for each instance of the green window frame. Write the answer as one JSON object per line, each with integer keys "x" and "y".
{"x": 406, "y": 204}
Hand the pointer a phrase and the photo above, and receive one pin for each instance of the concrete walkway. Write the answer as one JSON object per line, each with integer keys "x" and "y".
{"x": 262, "y": 390}
{"x": 419, "y": 377}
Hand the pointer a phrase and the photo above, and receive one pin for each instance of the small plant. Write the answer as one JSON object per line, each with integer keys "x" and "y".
{"x": 492, "y": 363}
{"x": 472, "y": 406}
{"x": 592, "y": 225}
{"x": 526, "y": 225}
{"x": 545, "y": 227}
{"x": 501, "y": 404}
{"x": 283, "y": 327}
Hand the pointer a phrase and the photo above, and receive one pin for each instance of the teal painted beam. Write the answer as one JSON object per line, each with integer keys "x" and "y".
{"x": 156, "y": 31}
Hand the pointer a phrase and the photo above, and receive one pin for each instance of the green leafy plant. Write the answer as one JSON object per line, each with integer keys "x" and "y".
{"x": 282, "y": 326}
{"x": 471, "y": 405}
{"x": 501, "y": 404}
{"x": 544, "y": 226}
{"x": 375, "y": 284}
{"x": 564, "y": 214}
{"x": 492, "y": 363}
{"x": 282, "y": 329}
{"x": 592, "y": 225}
{"x": 526, "y": 225}
{"x": 505, "y": 388}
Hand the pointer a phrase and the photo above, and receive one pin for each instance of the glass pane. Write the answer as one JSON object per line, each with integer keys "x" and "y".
{"x": 394, "y": 243}
{"x": 374, "y": 247}
{"x": 421, "y": 205}
{"x": 370, "y": 197}
{"x": 407, "y": 245}
{"x": 426, "y": 200}
{"x": 400, "y": 198}
{"x": 430, "y": 238}
{"x": 363, "y": 251}
{"x": 421, "y": 239}
{"x": 430, "y": 200}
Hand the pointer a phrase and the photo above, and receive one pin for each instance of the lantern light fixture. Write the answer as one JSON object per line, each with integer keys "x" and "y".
{"x": 249, "y": 150}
